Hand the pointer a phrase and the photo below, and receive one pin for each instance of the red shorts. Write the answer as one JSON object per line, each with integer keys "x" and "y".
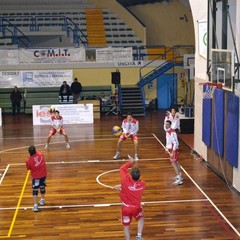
{"x": 53, "y": 131}
{"x": 174, "y": 158}
{"x": 133, "y": 137}
{"x": 129, "y": 212}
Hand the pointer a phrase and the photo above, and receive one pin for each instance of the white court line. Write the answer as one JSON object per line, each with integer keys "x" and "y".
{"x": 59, "y": 142}
{"x": 93, "y": 161}
{"x": 83, "y": 139}
{"x": 5, "y": 172}
{"x": 212, "y": 203}
{"x": 98, "y": 177}
{"x": 103, "y": 204}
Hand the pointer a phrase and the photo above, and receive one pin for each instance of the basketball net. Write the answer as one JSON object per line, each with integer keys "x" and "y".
{"x": 209, "y": 89}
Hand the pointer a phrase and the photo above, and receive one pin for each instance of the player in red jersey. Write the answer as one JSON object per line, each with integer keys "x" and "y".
{"x": 57, "y": 127}
{"x": 37, "y": 165}
{"x": 172, "y": 146}
{"x": 130, "y": 127}
{"x": 131, "y": 191}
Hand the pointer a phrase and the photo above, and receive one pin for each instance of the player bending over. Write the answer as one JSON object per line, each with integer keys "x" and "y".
{"x": 131, "y": 191}
{"x": 130, "y": 127}
{"x": 57, "y": 127}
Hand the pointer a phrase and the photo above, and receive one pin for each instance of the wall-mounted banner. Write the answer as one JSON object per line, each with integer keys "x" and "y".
{"x": 202, "y": 38}
{"x": 71, "y": 113}
{"x": 41, "y": 78}
{"x": 110, "y": 55}
{"x": 9, "y": 57}
{"x": 52, "y": 55}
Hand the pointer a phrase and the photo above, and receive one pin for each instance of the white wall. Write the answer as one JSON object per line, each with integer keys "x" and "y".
{"x": 199, "y": 13}
{"x": 236, "y": 172}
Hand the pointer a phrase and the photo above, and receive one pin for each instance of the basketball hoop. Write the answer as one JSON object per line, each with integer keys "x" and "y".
{"x": 210, "y": 88}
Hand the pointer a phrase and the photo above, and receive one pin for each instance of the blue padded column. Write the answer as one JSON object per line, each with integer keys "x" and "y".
{"x": 218, "y": 122}
{"x": 207, "y": 121}
{"x": 232, "y": 129}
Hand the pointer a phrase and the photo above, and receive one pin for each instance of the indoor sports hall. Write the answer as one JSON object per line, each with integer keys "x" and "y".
{"x": 80, "y": 202}
{"x": 142, "y": 57}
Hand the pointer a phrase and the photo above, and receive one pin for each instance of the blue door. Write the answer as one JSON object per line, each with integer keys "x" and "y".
{"x": 166, "y": 90}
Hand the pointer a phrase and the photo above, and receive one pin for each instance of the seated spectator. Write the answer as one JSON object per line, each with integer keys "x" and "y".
{"x": 65, "y": 91}
{"x": 104, "y": 101}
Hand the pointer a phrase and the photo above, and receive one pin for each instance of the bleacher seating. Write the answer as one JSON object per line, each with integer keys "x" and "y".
{"x": 55, "y": 21}
{"x": 46, "y": 96}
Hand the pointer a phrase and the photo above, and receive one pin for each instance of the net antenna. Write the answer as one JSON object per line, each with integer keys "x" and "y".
{"x": 209, "y": 88}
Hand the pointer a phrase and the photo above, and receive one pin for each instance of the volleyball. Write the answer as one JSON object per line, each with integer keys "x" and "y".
{"x": 51, "y": 109}
{"x": 117, "y": 131}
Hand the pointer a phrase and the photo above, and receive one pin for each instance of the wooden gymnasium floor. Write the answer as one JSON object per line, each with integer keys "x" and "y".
{"x": 79, "y": 202}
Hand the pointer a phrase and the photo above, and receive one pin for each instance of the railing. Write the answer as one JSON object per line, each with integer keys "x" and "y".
{"x": 76, "y": 37}
{"x": 34, "y": 24}
{"x": 16, "y": 34}
{"x": 174, "y": 54}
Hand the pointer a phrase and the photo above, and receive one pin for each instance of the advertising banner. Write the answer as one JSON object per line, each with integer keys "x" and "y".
{"x": 9, "y": 57}
{"x": 41, "y": 78}
{"x": 52, "y": 55}
{"x": 71, "y": 113}
{"x": 202, "y": 38}
{"x": 111, "y": 55}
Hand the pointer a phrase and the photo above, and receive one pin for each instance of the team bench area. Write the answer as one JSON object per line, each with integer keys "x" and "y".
{"x": 46, "y": 96}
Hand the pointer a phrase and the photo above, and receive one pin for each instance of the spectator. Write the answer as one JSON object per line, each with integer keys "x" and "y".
{"x": 65, "y": 90}
{"x": 76, "y": 89}
{"x": 16, "y": 98}
{"x": 104, "y": 102}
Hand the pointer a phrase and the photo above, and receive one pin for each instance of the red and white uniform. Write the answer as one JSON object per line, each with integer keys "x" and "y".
{"x": 172, "y": 144}
{"x": 130, "y": 195}
{"x": 130, "y": 127}
{"x": 174, "y": 120}
{"x": 57, "y": 124}
{"x": 37, "y": 165}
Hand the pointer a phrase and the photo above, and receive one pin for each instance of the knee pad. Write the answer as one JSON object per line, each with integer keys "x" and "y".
{"x": 42, "y": 190}
{"x": 35, "y": 192}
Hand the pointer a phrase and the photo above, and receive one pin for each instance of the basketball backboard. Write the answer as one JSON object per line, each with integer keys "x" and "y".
{"x": 222, "y": 68}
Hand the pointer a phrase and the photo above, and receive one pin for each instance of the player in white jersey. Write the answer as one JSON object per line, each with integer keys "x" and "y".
{"x": 130, "y": 127}
{"x": 57, "y": 127}
{"x": 174, "y": 118}
{"x": 172, "y": 147}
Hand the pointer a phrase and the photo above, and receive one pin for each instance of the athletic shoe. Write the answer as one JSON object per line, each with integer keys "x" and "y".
{"x": 46, "y": 146}
{"x": 35, "y": 208}
{"x": 136, "y": 157}
{"x": 42, "y": 202}
{"x": 67, "y": 146}
{"x": 178, "y": 182}
{"x": 178, "y": 178}
{"x": 138, "y": 238}
{"x": 116, "y": 156}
